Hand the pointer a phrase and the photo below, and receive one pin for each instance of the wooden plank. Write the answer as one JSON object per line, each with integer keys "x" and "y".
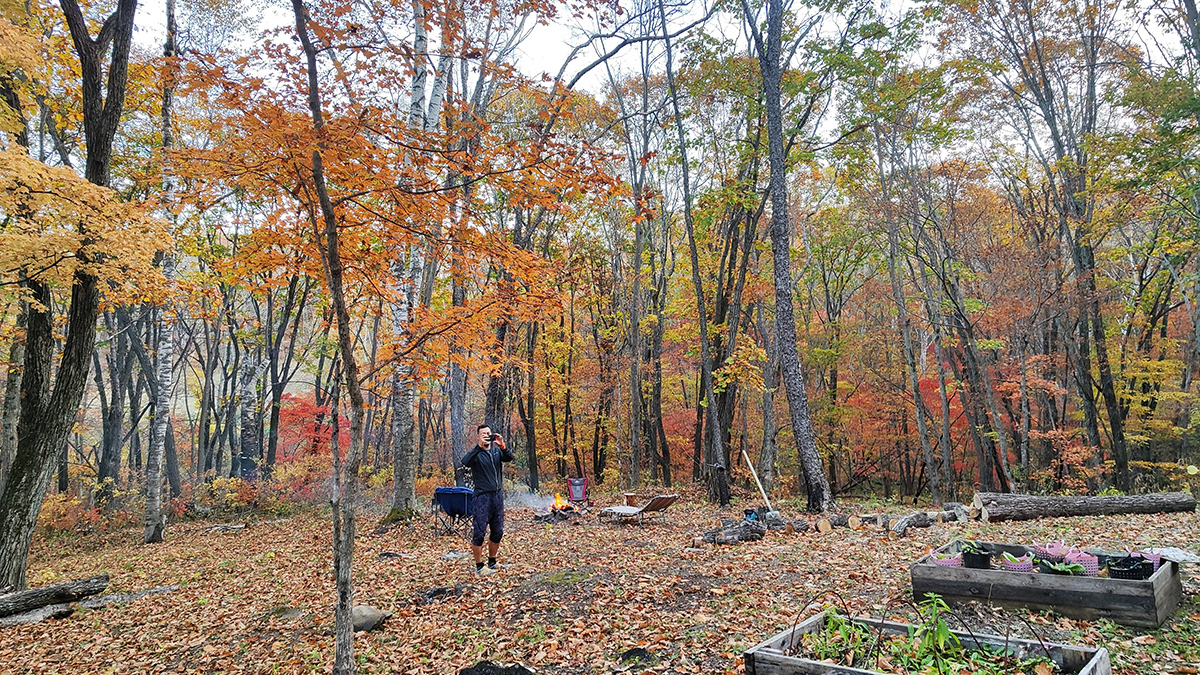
{"x": 1098, "y": 665}
{"x": 768, "y": 657}
{"x": 1168, "y": 590}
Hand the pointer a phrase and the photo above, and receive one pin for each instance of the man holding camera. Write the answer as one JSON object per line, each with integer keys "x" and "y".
{"x": 485, "y": 462}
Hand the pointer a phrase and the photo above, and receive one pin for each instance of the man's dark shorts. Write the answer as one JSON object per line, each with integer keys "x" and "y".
{"x": 489, "y": 510}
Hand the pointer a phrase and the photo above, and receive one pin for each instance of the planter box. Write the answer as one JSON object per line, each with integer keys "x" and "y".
{"x": 769, "y": 658}
{"x": 1145, "y": 603}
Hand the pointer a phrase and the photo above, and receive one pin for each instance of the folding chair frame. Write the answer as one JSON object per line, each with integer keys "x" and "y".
{"x": 445, "y": 522}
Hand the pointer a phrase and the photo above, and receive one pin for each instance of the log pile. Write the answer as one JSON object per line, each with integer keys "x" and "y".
{"x": 732, "y": 532}
{"x": 747, "y": 530}
{"x": 896, "y": 525}
{"x": 996, "y": 507}
{"x": 987, "y": 506}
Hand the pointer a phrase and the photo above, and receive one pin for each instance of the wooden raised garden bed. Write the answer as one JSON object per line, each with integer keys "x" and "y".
{"x": 772, "y": 657}
{"x": 1145, "y": 603}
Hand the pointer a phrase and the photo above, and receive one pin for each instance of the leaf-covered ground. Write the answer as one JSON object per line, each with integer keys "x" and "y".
{"x": 569, "y": 598}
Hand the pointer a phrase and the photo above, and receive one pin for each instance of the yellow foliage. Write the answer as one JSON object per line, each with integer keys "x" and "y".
{"x": 18, "y": 53}
{"x": 53, "y": 221}
{"x": 744, "y": 366}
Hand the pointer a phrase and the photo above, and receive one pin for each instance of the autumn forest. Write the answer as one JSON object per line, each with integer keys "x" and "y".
{"x": 257, "y": 256}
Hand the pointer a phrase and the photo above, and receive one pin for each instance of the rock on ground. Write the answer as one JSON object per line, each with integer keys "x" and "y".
{"x": 366, "y": 617}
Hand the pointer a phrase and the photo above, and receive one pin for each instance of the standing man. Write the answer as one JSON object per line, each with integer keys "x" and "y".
{"x": 485, "y": 462}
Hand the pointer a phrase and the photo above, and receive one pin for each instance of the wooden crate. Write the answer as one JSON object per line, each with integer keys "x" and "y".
{"x": 1145, "y": 603}
{"x": 770, "y": 658}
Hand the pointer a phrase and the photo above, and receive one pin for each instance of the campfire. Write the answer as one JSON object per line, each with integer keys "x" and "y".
{"x": 558, "y": 512}
{"x": 561, "y": 504}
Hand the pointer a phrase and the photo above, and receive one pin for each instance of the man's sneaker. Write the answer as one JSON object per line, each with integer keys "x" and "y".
{"x": 486, "y": 571}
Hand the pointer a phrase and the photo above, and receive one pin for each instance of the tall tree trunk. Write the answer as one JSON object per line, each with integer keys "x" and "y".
{"x": 155, "y": 521}
{"x": 718, "y": 486}
{"x": 770, "y": 64}
{"x": 120, "y": 377}
{"x": 1022, "y": 344}
{"x": 344, "y": 497}
{"x": 1116, "y": 414}
{"x": 944, "y": 398}
{"x": 173, "y": 477}
{"x": 458, "y": 396}
{"x": 249, "y": 450}
{"x": 635, "y": 347}
{"x": 204, "y": 432}
{"x": 528, "y": 412}
{"x": 404, "y": 467}
{"x": 914, "y": 379}
{"x": 768, "y": 451}
{"x": 280, "y": 360}
{"x": 12, "y": 395}
{"x": 656, "y": 414}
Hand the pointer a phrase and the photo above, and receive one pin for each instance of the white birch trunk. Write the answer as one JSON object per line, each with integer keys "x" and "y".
{"x": 156, "y": 520}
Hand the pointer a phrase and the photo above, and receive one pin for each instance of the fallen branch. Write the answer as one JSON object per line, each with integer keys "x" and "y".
{"x": 64, "y": 592}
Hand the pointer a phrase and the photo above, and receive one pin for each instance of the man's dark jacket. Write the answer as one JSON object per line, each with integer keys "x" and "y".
{"x": 484, "y": 464}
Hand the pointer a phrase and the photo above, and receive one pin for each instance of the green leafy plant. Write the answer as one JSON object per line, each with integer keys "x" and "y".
{"x": 935, "y": 645}
{"x": 842, "y": 641}
{"x": 1064, "y": 567}
{"x": 974, "y": 548}
{"x": 928, "y": 647}
{"x": 1014, "y": 559}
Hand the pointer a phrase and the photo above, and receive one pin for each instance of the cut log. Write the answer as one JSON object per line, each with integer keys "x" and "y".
{"x": 995, "y": 507}
{"x": 827, "y": 522}
{"x": 914, "y": 519}
{"x": 946, "y": 516}
{"x": 973, "y": 513}
{"x": 54, "y": 594}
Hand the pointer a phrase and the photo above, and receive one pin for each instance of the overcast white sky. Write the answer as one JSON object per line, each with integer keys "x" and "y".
{"x": 542, "y": 52}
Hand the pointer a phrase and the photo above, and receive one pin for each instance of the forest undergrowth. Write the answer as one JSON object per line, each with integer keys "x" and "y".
{"x": 570, "y": 598}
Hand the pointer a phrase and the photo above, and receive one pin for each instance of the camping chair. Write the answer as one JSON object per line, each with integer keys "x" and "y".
{"x": 452, "y": 511}
{"x": 655, "y": 509}
{"x": 577, "y": 491}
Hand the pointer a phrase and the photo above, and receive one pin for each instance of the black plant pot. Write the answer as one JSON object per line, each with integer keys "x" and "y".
{"x": 1130, "y": 568}
{"x": 977, "y": 561}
